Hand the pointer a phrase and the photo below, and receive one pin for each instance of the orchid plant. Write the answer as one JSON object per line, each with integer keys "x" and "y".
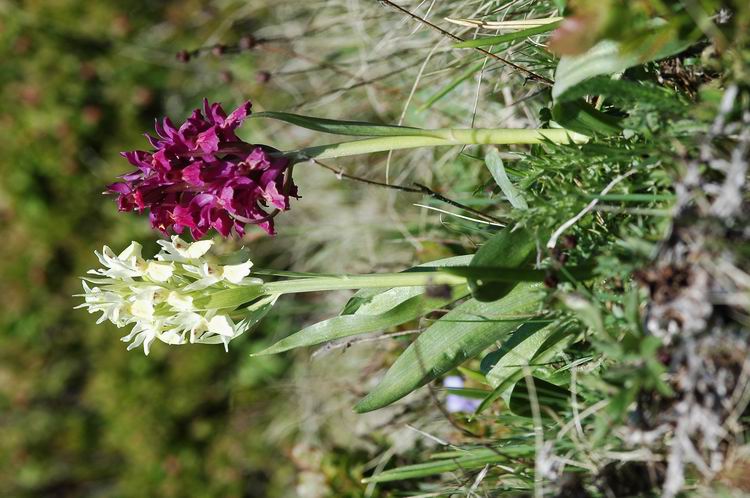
{"x": 202, "y": 176}
{"x": 573, "y": 326}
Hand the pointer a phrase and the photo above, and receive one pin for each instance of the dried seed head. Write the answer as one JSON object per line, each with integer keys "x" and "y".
{"x": 248, "y": 42}
{"x": 263, "y": 77}
{"x": 226, "y": 76}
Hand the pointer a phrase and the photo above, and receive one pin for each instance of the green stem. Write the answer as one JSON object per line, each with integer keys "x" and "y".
{"x": 347, "y": 282}
{"x": 440, "y": 137}
{"x": 238, "y": 296}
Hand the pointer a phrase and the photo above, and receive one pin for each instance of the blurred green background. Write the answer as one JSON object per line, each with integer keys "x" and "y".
{"x": 79, "y": 416}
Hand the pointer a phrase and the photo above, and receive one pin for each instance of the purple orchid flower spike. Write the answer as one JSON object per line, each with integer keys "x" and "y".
{"x": 202, "y": 176}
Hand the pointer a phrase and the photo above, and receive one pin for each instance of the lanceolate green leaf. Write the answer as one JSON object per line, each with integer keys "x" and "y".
{"x": 497, "y": 169}
{"x": 338, "y": 127}
{"x": 627, "y": 93}
{"x": 370, "y": 310}
{"x": 445, "y": 345}
{"x": 362, "y": 322}
{"x": 516, "y": 351}
{"x": 607, "y": 57}
{"x": 523, "y": 349}
{"x": 529, "y": 345}
{"x": 508, "y": 249}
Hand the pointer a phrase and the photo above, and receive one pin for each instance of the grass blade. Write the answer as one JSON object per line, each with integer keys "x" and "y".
{"x": 468, "y": 73}
{"x": 497, "y": 169}
{"x": 508, "y": 37}
{"x": 436, "y": 467}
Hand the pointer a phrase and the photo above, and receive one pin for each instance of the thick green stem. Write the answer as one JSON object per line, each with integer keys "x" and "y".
{"x": 440, "y": 137}
{"x": 346, "y": 282}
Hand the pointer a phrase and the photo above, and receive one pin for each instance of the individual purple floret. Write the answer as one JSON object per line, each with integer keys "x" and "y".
{"x": 455, "y": 403}
{"x": 201, "y": 176}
